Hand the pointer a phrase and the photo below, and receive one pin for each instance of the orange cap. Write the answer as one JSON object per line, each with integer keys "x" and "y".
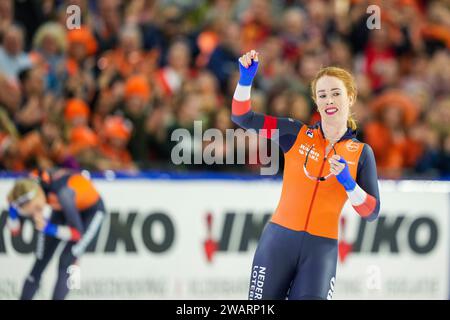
{"x": 117, "y": 127}
{"x": 398, "y": 99}
{"x": 83, "y": 36}
{"x": 76, "y": 108}
{"x": 207, "y": 41}
{"x": 84, "y": 135}
{"x": 137, "y": 86}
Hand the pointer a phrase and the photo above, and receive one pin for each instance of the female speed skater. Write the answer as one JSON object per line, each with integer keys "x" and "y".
{"x": 325, "y": 165}
{"x": 77, "y": 212}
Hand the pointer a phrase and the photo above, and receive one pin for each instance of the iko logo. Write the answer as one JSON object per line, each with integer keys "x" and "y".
{"x": 388, "y": 234}
{"x": 121, "y": 229}
{"x": 237, "y": 231}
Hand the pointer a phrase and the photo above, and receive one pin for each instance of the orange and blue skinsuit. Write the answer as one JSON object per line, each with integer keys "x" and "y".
{"x": 296, "y": 256}
{"x": 77, "y": 214}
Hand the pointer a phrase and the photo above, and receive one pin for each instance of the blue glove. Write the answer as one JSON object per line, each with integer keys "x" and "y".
{"x": 13, "y": 213}
{"x": 345, "y": 178}
{"x": 247, "y": 74}
{"x": 13, "y": 220}
{"x": 50, "y": 229}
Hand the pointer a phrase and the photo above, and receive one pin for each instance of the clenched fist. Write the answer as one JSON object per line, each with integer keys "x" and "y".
{"x": 248, "y": 65}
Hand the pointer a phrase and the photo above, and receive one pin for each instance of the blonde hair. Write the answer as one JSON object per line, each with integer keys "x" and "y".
{"x": 24, "y": 187}
{"x": 54, "y": 30}
{"x": 349, "y": 83}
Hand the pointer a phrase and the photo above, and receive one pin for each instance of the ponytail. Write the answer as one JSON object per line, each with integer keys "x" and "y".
{"x": 351, "y": 123}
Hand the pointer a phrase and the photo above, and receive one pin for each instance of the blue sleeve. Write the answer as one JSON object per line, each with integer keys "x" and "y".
{"x": 288, "y": 128}
{"x": 66, "y": 198}
{"x": 367, "y": 177}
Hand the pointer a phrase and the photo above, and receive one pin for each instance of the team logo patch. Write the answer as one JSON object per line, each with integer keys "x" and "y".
{"x": 309, "y": 133}
{"x": 352, "y": 146}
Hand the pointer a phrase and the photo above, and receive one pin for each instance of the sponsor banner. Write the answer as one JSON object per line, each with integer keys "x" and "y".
{"x": 404, "y": 254}
{"x": 195, "y": 239}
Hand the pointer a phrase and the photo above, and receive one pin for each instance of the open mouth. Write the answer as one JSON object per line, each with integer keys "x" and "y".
{"x": 331, "y": 110}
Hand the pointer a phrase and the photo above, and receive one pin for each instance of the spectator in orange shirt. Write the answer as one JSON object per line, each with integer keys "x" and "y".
{"x": 83, "y": 147}
{"x": 137, "y": 109}
{"x": 44, "y": 148}
{"x": 129, "y": 58}
{"x": 435, "y": 31}
{"x": 116, "y": 133}
{"x": 387, "y": 135}
{"x": 76, "y": 113}
{"x": 80, "y": 63}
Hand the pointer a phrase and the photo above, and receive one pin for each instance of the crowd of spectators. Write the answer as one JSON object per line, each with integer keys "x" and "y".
{"x": 109, "y": 94}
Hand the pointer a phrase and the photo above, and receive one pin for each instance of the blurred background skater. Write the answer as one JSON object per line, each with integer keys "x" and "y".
{"x": 65, "y": 208}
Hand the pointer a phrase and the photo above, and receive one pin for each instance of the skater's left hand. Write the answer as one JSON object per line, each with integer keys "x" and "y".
{"x": 337, "y": 164}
